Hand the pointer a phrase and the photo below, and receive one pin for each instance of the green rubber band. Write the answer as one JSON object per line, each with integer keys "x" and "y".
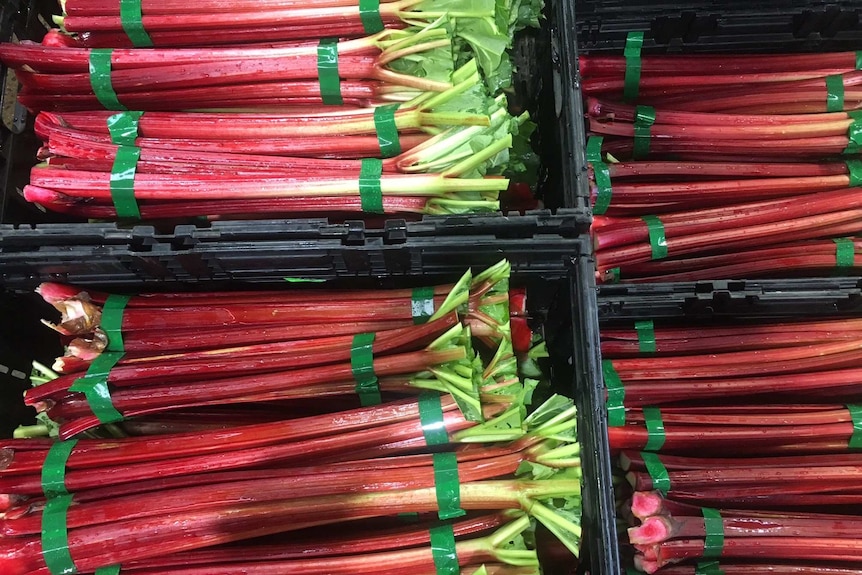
{"x": 100, "y": 79}
{"x": 422, "y": 305}
{"x": 835, "y": 93}
{"x": 112, "y": 570}
{"x": 444, "y": 551}
{"x": 856, "y": 416}
{"x": 657, "y": 472}
{"x": 362, "y": 365}
{"x": 854, "y": 132}
{"x": 132, "y": 19}
{"x": 655, "y": 429}
{"x": 713, "y": 543}
{"x": 112, "y": 320}
{"x": 616, "y": 394}
{"x": 412, "y": 517}
{"x": 55, "y": 536}
{"x": 95, "y": 388}
{"x": 602, "y": 174}
{"x": 859, "y": 60}
{"x": 604, "y": 189}
{"x": 123, "y": 182}
{"x": 448, "y": 486}
{"x": 387, "y": 131}
{"x": 657, "y": 239}
{"x": 369, "y": 13}
{"x": 632, "y": 53}
{"x": 54, "y": 468}
{"x": 708, "y": 568}
{"x": 431, "y": 416}
{"x": 644, "y": 119}
{"x": 845, "y": 253}
{"x": 854, "y": 171}
{"x": 124, "y": 128}
{"x": 614, "y": 275}
{"x": 594, "y": 149}
{"x": 370, "y": 189}
{"x": 646, "y": 336}
{"x": 327, "y": 71}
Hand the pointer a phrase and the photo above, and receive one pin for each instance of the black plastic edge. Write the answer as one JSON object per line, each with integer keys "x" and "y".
{"x": 568, "y": 106}
{"x": 598, "y": 501}
{"x": 709, "y": 299}
{"x": 708, "y": 26}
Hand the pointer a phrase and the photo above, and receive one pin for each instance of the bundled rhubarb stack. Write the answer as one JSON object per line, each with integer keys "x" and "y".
{"x": 328, "y": 107}
{"x": 709, "y": 166}
{"x": 292, "y": 431}
{"x": 740, "y": 445}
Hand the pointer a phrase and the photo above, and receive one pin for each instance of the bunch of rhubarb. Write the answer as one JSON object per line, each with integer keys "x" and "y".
{"x": 723, "y": 166}
{"x": 738, "y": 445}
{"x": 315, "y": 112}
{"x": 301, "y": 431}
{"x": 252, "y": 164}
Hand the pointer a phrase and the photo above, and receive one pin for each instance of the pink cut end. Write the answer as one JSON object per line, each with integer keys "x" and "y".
{"x": 652, "y": 531}
{"x": 643, "y": 564}
{"x": 54, "y": 292}
{"x": 594, "y": 107}
{"x": 9, "y": 501}
{"x": 646, "y": 504}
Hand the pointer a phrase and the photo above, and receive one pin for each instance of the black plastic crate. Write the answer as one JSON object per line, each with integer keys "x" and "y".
{"x": 720, "y": 25}
{"x": 542, "y": 84}
{"x": 561, "y": 300}
{"x": 315, "y": 249}
{"x": 708, "y": 300}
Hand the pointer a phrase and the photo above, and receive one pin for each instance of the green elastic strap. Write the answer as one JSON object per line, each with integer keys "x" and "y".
{"x": 646, "y": 336}
{"x": 835, "y": 93}
{"x": 657, "y": 238}
{"x": 124, "y": 128}
{"x": 644, "y": 119}
{"x": 387, "y": 131}
{"x": 859, "y": 60}
{"x": 854, "y": 171}
{"x": 854, "y": 132}
{"x": 448, "y": 486}
{"x": 55, "y": 536}
{"x": 362, "y": 364}
{"x": 444, "y": 551}
{"x": 411, "y": 517}
{"x": 602, "y": 174}
{"x": 614, "y": 275}
{"x": 123, "y": 182}
{"x": 100, "y": 78}
{"x": 845, "y": 253}
{"x": 422, "y": 305}
{"x": 856, "y": 416}
{"x": 713, "y": 544}
{"x": 431, "y": 416}
{"x": 327, "y": 71}
{"x": 657, "y": 472}
{"x": 632, "y": 53}
{"x": 370, "y": 189}
{"x": 655, "y": 429}
{"x": 708, "y": 568}
{"x": 112, "y": 570}
{"x": 616, "y": 394}
{"x": 131, "y": 17}
{"x": 112, "y": 320}
{"x": 369, "y": 12}
{"x": 54, "y": 468}
{"x": 95, "y": 388}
